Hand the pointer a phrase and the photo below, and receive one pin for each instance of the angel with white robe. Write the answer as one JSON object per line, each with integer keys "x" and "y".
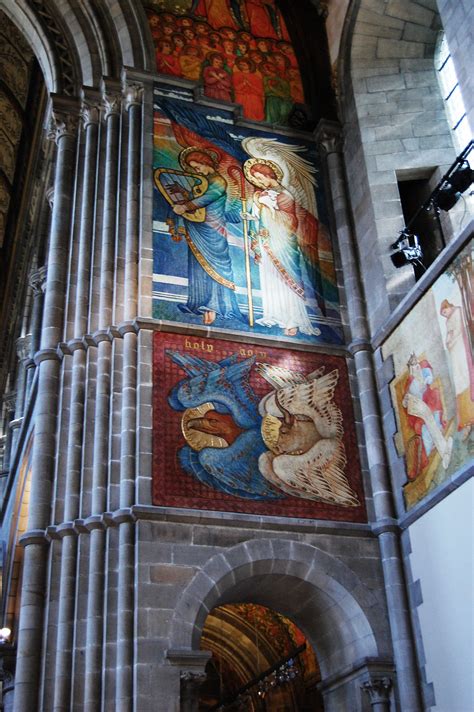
{"x": 284, "y": 233}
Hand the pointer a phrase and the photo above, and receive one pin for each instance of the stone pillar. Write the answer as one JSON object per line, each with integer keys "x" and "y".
{"x": 7, "y": 676}
{"x": 67, "y": 584}
{"x": 191, "y": 665}
{"x": 385, "y": 527}
{"x": 38, "y": 285}
{"x": 190, "y": 684}
{"x": 30, "y": 632}
{"x": 112, "y": 96}
{"x": 378, "y": 690}
{"x": 124, "y": 688}
{"x": 23, "y": 348}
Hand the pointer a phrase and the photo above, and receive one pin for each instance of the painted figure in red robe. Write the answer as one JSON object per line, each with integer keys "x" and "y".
{"x": 217, "y": 80}
{"x": 248, "y": 89}
{"x": 166, "y": 62}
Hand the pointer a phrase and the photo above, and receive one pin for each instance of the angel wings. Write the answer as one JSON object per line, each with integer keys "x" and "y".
{"x": 302, "y": 427}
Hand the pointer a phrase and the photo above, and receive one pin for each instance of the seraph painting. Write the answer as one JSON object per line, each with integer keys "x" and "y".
{"x": 240, "y": 236}
{"x": 433, "y": 388}
{"x": 253, "y": 429}
{"x": 237, "y": 50}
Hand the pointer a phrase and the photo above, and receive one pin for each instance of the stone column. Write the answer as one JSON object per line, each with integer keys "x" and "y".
{"x": 67, "y": 584}
{"x": 23, "y": 348}
{"x": 30, "y": 632}
{"x": 38, "y": 285}
{"x": 378, "y": 690}
{"x": 385, "y": 527}
{"x": 7, "y": 676}
{"x": 191, "y": 665}
{"x": 124, "y": 689}
{"x": 112, "y": 98}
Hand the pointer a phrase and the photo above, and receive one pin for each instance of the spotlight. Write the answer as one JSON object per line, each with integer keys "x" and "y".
{"x": 5, "y": 634}
{"x": 408, "y": 250}
{"x": 462, "y": 177}
{"x": 451, "y": 188}
{"x": 447, "y": 197}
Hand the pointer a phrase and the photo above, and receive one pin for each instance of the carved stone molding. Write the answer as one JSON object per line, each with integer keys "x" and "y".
{"x": 378, "y": 689}
{"x": 133, "y": 94}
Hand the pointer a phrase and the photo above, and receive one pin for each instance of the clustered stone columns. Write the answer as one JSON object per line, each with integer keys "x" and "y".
{"x": 112, "y": 99}
{"x": 124, "y": 686}
{"x": 385, "y": 525}
{"x": 91, "y": 281}
{"x": 64, "y": 132}
{"x": 65, "y": 631}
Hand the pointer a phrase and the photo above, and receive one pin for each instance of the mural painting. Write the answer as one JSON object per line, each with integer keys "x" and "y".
{"x": 433, "y": 391}
{"x": 253, "y": 429}
{"x": 239, "y": 238}
{"x": 238, "y": 51}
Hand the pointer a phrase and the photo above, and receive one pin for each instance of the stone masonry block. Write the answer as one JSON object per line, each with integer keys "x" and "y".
{"x": 368, "y": 30}
{"x": 399, "y": 48}
{"x": 385, "y": 83}
{"x": 374, "y": 18}
{"x": 409, "y": 11}
{"x": 417, "y": 33}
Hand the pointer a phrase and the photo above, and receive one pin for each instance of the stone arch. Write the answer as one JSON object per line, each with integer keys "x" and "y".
{"x": 77, "y": 45}
{"x": 342, "y": 618}
{"x": 396, "y": 128}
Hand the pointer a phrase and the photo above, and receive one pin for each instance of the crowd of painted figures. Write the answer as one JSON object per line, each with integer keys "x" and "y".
{"x": 260, "y": 73}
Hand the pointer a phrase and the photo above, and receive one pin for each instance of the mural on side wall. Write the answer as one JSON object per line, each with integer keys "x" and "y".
{"x": 239, "y": 236}
{"x": 433, "y": 390}
{"x": 238, "y": 51}
{"x": 253, "y": 429}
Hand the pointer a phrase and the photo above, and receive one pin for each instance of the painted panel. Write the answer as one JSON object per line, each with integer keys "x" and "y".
{"x": 237, "y": 50}
{"x": 240, "y": 241}
{"x": 433, "y": 388}
{"x": 253, "y": 429}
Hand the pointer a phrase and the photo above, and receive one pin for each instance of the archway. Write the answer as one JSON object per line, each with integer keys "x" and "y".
{"x": 342, "y": 619}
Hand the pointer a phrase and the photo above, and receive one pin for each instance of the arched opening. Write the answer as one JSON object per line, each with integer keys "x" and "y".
{"x": 260, "y": 661}
{"x": 343, "y": 620}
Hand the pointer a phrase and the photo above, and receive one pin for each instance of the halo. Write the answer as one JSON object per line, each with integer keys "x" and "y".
{"x": 197, "y": 440}
{"x": 191, "y": 149}
{"x": 261, "y": 161}
{"x": 271, "y": 432}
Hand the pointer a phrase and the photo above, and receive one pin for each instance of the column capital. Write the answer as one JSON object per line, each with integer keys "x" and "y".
{"x": 23, "y": 347}
{"x": 111, "y": 91}
{"x": 38, "y": 280}
{"x": 378, "y": 689}
{"x": 329, "y": 137}
{"x": 90, "y": 107}
{"x": 133, "y": 93}
{"x": 64, "y": 118}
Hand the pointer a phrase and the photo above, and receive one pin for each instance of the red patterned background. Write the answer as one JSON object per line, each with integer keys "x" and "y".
{"x": 173, "y": 487}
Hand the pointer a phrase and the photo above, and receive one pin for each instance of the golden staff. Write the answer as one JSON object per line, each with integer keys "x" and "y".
{"x": 233, "y": 170}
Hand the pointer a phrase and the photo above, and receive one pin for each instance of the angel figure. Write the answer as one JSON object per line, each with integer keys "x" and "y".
{"x": 303, "y": 430}
{"x": 284, "y": 235}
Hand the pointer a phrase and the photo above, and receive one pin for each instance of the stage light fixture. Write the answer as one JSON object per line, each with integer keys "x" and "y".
{"x": 449, "y": 192}
{"x": 407, "y": 250}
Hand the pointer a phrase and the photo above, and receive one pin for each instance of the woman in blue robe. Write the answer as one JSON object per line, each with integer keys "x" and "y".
{"x": 211, "y": 290}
